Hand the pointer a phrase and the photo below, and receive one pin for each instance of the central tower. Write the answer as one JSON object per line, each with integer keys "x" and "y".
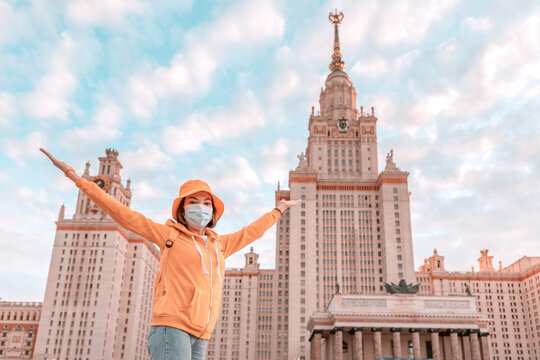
{"x": 352, "y": 232}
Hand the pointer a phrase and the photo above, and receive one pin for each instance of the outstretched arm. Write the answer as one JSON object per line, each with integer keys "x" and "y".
{"x": 238, "y": 240}
{"x": 127, "y": 218}
{"x": 65, "y": 168}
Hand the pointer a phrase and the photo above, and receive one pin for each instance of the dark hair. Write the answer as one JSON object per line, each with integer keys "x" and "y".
{"x": 182, "y": 220}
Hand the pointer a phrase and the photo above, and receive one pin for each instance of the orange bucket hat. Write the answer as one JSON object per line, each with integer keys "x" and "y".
{"x": 194, "y": 186}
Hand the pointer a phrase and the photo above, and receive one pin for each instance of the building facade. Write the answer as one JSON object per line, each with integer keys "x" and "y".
{"x": 98, "y": 298}
{"x": 244, "y": 330}
{"x": 352, "y": 233}
{"x": 399, "y": 326}
{"x": 350, "y": 236}
{"x": 508, "y": 296}
{"x": 19, "y": 322}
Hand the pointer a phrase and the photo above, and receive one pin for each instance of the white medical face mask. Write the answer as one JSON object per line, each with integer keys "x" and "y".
{"x": 198, "y": 215}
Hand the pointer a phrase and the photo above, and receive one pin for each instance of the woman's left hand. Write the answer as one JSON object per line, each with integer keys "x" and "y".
{"x": 285, "y": 204}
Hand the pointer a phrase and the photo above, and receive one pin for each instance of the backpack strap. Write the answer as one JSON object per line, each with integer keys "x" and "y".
{"x": 173, "y": 234}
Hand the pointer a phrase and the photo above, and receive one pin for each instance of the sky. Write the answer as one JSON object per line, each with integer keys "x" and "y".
{"x": 222, "y": 91}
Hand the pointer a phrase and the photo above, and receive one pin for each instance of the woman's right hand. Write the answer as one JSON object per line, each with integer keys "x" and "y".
{"x": 65, "y": 168}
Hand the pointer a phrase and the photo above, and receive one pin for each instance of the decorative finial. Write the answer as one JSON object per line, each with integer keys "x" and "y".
{"x": 313, "y": 110}
{"x": 337, "y": 63}
{"x": 278, "y": 184}
{"x": 372, "y": 111}
{"x": 111, "y": 153}
{"x": 128, "y": 185}
{"x": 87, "y": 169}
{"x": 62, "y": 212}
{"x": 251, "y": 249}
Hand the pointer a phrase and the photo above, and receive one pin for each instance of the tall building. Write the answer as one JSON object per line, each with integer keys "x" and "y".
{"x": 98, "y": 299}
{"x": 18, "y": 327}
{"x": 352, "y": 233}
{"x": 350, "y": 236}
{"x": 508, "y": 296}
{"x": 244, "y": 330}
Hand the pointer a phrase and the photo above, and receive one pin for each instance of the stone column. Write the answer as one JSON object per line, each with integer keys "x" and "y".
{"x": 454, "y": 341}
{"x": 315, "y": 340}
{"x": 465, "y": 341}
{"x": 484, "y": 339}
{"x": 446, "y": 354}
{"x": 475, "y": 346}
{"x": 337, "y": 333}
{"x": 435, "y": 347}
{"x": 416, "y": 342}
{"x": 396, "y": 337}
{"x": 377, "y": 342}
{"x": 358, "y": 352}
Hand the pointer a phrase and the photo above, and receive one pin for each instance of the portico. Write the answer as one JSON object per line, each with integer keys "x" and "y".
{"x": 368, "y": 327}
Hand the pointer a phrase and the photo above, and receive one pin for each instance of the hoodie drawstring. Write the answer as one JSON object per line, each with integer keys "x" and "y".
{"x": 201, "y": 254}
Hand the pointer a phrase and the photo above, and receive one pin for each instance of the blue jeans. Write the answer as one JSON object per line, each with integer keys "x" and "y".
{"x": 167, "y": 343}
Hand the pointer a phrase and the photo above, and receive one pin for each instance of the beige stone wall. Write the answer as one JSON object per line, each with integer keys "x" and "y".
{"x": 18, "y": 328}
{"x": 244, "y": 327}
{"x": 508, "y": 298}
{"x": 98, "y": 298}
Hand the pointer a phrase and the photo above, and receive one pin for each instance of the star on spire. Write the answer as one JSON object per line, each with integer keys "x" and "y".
{"x": 337, "y": 63}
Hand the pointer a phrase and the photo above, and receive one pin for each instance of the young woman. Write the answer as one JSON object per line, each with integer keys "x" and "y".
{"x": 187, "y": 289}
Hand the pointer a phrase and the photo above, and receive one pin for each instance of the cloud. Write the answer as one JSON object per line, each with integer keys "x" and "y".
{"x": 260, "y": 22}
{"x": 402, "y": 62}
{"x": 447, "y": 50}
{"x": 51, "y": 98}
{"x": 105, "y": 127}
{"x": 7, "y": 107}
{"x": 143, "y": 190}
{"x": 213, "y": 125}
{"x": 476, "y": 24}
{"x": 19, "y": 150}
{"x": 277, "y": 160}
{"x": 512, "y": 64}
{"x": 190, "y": 72}
{"x": 378, "y": 66}
{"x": 400, "y": 22}
{"x": 374, "y": 67}
{"x": 187, "y": 76}
{"x": 103, "y": 12}
{"x": 147, "y": 158}
{"x": 6, "y": 21}
{"x": 231, "y": 176}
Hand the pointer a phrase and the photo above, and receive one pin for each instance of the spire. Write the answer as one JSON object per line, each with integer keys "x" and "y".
{"x": 86, "y": 173}
{"x": 337, "y": 63}
{"x": 62, "y": 213}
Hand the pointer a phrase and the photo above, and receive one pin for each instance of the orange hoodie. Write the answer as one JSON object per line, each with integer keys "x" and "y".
{"x": 187, "y": 289}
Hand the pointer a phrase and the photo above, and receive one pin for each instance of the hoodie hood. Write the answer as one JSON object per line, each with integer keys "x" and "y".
{"x": 194, "y": 186}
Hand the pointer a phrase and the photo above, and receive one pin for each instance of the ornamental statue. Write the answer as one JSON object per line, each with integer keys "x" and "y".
{"x": 401, "y": 288}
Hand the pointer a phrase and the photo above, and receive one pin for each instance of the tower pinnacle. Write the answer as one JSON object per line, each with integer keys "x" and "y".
{"x": 337, "y": 63}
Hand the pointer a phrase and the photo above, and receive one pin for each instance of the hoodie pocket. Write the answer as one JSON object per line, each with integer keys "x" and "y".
{"x": 192, "y": 305}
